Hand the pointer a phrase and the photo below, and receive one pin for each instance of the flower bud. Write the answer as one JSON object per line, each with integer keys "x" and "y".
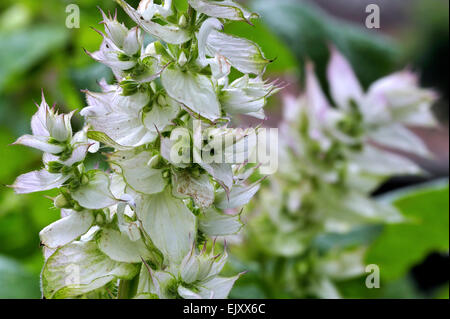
{"x": 162, "y": 100}
{"x": 129, "y": 87}
{"x": 54, "y": 167}
{"x": 61, "y": 201}
{"x": 182, "y": 22}
{"x": 84, "y": 180}
{"x": 182, "y": 59}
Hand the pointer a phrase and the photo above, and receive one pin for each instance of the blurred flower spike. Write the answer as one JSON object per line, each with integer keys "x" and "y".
{"x": 333, "y": 155}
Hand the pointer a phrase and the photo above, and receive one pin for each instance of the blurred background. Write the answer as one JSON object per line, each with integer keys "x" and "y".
{"x": 38, "y": 51}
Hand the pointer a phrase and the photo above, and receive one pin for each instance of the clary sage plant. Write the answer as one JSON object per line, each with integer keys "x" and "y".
{"x": 146, "y": 226}
{"x": 331, "y": 159}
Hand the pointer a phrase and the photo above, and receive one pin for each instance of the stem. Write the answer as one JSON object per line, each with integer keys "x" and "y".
{"x": 128, "y": 288}
{"x": 124, "y": 289}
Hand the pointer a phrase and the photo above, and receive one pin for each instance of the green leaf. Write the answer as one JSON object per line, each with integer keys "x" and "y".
{"x": 14, "y": 158}
{"x": 308, "y": 31}
{"x": 105, "y": 139}
{"x": 16, "y": 282}
{"x": 426, "y": 230}
{"x": 22, "y": 49}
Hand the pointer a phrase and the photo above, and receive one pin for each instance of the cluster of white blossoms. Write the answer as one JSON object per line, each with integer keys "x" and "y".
{"x": 332, "y": 159}
{"x": 146, "y": 227}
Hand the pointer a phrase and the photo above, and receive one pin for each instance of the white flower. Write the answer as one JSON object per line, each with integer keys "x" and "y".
{"x": 130, "y": 120}
{"x": 63, "y": 152}
{"x": 390, "y": 103}
{"x": 50, "y": 130}
{"x": 121, "y": 47}
{"x": 247, "y": 96}
{"x": 199, "y": 276}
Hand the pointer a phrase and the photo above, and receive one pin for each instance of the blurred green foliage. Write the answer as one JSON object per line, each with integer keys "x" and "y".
{"x": 39, "y": 52}
{"x": 401, "y": 246}
{"x": 308, "y": 31}
{"x": 395, "y": 249}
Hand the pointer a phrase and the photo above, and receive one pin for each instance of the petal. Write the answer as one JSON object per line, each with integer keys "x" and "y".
{"x": 38, "y": 181}
{"x": 59, "y": 126}
{"x": 343, "y": 265}
{"x": 66, "y": 229}
{"x": 200, "y": 189}
{"x": 96, "y": 194}
{"x": 169, "y": 223}
{"x": 226, "y": 9}
{"x": 316, "y": 98}
{"x": 383, "y": 163}
{"x": 196, "y": 91}
{"x": 398, "y": 98}
{"x": 222, "y": 173}
{"x": 110, "y": 57}
{"x": 215, "y": 223}
{"x": 400, "y": 138}
{"x": 168, "y": 33}
{"x": 133, "y": 42}
{"x": 190, "y": 267}
{"x": 39, "y": 119}
{"x": 240, "y": 98}
{"x": 242, "y": 54}
{"x": 39, "y": 142}
{"x": 137, "y": 173}
{"x": 187, "y": 293}
{"x": 160, "y": 116}
{"x": 119, "y": 247}
{"x": 202, "y": 37}
{"x": 240, "y": 195}
{"x": 115, "y": 30}
{"x": 344, "y": 85}
{"x": 81, "y": 267}
{"x": 219, "y": 286}
{"x": 78, "y": 154}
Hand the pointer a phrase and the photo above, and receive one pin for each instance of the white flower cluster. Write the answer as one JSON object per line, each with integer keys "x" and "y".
{"x": 332, "y": 159}
{"x": 143, "y": 228}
